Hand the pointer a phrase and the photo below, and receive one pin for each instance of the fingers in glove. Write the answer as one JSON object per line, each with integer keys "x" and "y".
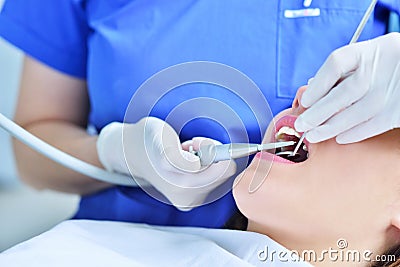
{"x": 221, "y": 171}
{"x": 166, "y": 139}
{"x": 181, "y": 160}
{"x": 197, "y": 142}
{"x": 370, "y": 128}
{"x": 187, "y": 144}
{"x": 215, "y": 173}
{"x": 341, "y": 62}
{"x": 345, "y": 120}
{"x": 342, "y": 96}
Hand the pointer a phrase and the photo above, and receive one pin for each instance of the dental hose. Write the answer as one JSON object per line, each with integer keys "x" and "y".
{"x": 63, "y": 158}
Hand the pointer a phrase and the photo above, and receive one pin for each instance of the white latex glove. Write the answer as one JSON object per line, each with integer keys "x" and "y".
{"x": 356, "y": 93}
{"x": 154, "y": 153}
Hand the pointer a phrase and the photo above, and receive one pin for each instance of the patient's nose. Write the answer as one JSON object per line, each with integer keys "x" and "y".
{"x": 297, "y": 108}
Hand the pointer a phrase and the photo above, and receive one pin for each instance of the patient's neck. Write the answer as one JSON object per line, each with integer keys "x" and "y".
{"x": 325, "y": 252}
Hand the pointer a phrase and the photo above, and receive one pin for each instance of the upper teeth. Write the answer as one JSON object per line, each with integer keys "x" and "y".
{"x": 287, "y": 130}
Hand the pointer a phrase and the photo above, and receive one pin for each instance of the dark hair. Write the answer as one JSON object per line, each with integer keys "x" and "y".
{"x": 237, "y": 222}
{"x": 395, "y": 250}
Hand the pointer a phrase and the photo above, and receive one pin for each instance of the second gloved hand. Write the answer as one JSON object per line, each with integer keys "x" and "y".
{"x": 355, "y": 95}
{"x": 150, "y": 150}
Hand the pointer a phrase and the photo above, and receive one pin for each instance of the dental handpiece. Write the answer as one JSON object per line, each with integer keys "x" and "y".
{"x": 353, "y": 40}
{"x": 214, "y": 153}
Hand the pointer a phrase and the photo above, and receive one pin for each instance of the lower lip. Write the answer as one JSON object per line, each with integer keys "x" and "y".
{"x": 271, "y": 157}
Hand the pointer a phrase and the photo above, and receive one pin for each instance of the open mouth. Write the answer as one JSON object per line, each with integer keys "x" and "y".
{"x": 285, "y": 132}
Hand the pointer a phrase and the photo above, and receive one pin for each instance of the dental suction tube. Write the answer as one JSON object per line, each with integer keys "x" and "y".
{"x": 63, "y": 158}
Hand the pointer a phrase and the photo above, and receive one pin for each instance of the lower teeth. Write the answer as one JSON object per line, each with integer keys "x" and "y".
{"x": 286, "y": 153}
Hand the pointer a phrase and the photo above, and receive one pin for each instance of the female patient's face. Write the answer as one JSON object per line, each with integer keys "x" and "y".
{"x": 340, "y": 191}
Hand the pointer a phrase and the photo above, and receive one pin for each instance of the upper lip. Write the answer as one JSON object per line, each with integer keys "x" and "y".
{"x": 287, "y": 120}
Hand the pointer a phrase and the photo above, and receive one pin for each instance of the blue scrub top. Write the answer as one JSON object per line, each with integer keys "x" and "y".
{"x": 116, "y": 45}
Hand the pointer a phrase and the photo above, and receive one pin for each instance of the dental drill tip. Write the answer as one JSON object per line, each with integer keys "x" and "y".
{"x": 298, "y": 145}
{"x": 275, "y": 145}
{"x": 283, "y": 144}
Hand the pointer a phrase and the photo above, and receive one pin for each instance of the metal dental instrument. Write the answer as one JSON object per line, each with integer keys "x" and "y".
{"x": 363, "y": 22}
{"x": 298, "y": 145}
{"x": 214, "y": 153}
{"x": 353, "y": 40}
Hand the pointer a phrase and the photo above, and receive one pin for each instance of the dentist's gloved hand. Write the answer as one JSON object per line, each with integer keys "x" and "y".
{"x": 355, "y": 95}
{"x": 151, "y": 150}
